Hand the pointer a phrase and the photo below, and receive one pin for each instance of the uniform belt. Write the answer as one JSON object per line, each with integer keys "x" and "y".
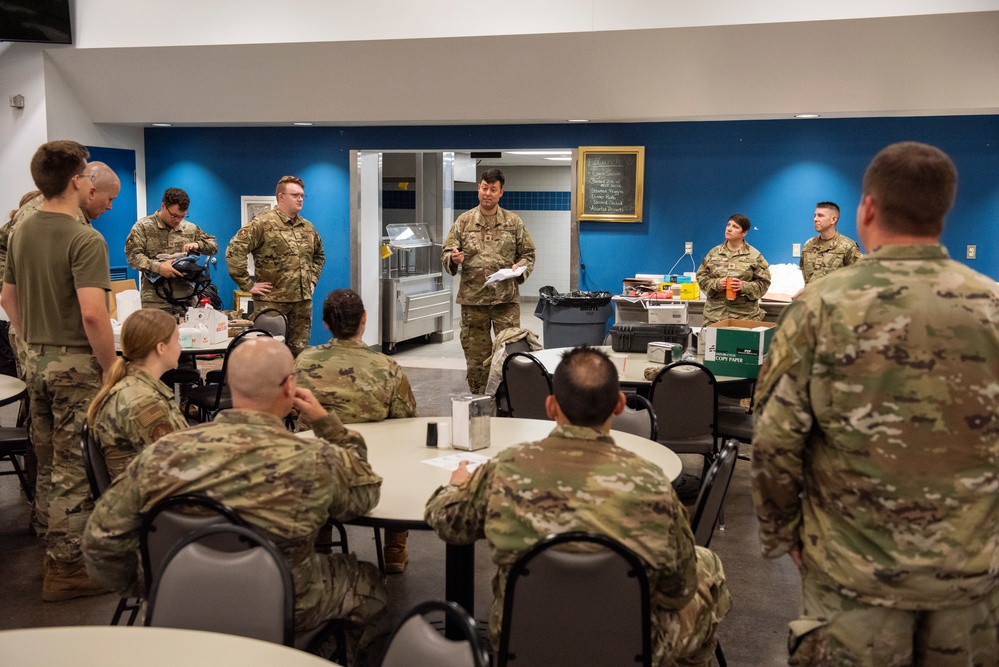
{"x": 65, "y": 349}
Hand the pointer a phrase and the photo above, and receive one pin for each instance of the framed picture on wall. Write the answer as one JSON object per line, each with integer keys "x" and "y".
{"x": 242, "y": 301}
{"x": 609, "y": 183}
{"x": 251, "y": 206}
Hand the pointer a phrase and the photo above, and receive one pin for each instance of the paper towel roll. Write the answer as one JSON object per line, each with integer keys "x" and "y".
{"x": 128, "y": 302}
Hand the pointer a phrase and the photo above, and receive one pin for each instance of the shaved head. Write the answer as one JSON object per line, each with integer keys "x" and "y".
{"x": 105, "y": 180}
{"x": 258, "y": 369}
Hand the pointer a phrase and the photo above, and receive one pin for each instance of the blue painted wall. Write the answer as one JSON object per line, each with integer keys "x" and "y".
{"x": 696, "y": 175}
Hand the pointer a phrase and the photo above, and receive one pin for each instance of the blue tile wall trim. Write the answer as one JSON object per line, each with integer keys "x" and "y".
{"x": 516, "y": 200}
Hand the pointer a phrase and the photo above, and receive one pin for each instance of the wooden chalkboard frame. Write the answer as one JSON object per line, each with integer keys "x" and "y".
{"x": 586, "y": 164}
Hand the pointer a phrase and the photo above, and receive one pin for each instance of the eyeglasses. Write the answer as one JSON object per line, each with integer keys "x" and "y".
{"x": 176, "y": 216}
{"x": 297, "y": 374}
{"x": 294, "y": 196}
{"x": 83, "y": 174}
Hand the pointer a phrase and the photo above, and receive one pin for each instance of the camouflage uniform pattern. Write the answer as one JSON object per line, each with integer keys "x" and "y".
{"x": 284, "y": 486}
{"x": 878, "y": 434}
{"x": 819, "y": 256}
{"x": 151, "y": 237}
{"x": 359, "y": 384}
{"x": 61, "y": 384}
{"x": 490, "y": 243}
{"x": 577, "y": 479}
{"x": 139, "y": 411}
{"x": 288, "y": 253}
{"x": 746, "y": 264}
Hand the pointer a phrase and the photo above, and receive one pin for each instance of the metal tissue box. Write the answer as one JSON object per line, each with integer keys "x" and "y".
{"x": 664, "y": 353}
{"x": 470, "y": 417}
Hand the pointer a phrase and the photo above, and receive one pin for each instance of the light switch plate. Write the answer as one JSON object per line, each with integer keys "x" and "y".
{"x": 795, "y": 250}
{"x": 972, "y": 252}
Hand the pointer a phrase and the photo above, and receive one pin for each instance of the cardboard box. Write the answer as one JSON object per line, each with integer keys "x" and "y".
{"x": 116, "y": 287}
{"x": 216, "y": 322}
{"x": 668, "y": 313}
{"x": 736, "y": 348}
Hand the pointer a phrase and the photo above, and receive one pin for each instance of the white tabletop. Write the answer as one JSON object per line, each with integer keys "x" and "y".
{"x": 130, "y": 646}
{"x": 634, "y": 369}
{"x": 397, "y": 449}
{"x": 10, "y": 389}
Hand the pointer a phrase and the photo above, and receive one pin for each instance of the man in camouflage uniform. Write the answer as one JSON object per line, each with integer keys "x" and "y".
{"x": 481, "y": 242}
{"x": 740, "y": 264}
{"x": 875, "y": 453}
{"x": 577, "y": 479}
{"x": 284, "y": 486}
{"x": 288, "y": 257}
{"x": 359, "y": 384}
{"x": 829, "y": 250}
{"x": 155, "y": 242}
{"x": 57, "y": 304}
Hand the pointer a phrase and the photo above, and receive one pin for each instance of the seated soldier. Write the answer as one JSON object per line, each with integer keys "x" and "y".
{"x": 284, "y": 486}
{"x": 359, "y": 384}
{"x": 581, "y": 475}
{"x": 134, "y": 408}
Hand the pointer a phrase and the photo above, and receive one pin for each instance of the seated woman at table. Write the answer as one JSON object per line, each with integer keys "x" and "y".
{"x": 134, "y": 408}
{"x": 360, "y": 385}
{"x": 734, "y": 276}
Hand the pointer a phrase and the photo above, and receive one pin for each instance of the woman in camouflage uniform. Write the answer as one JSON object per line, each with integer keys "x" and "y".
{"x": 134, "y": 408}
{"x": 741, "y": 268}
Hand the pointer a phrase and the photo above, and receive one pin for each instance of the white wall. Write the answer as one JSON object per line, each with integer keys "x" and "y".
{"x": 21, "y": 130}
{"x": 119, "y": 23}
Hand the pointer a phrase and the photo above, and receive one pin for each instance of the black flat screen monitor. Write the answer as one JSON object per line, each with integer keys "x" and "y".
{"x": 35, "y": 21}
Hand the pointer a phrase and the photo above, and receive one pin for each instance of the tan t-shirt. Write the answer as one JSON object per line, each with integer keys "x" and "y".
{"x": 50, "y": 256}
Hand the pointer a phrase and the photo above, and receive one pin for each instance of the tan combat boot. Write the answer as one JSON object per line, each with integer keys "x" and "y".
{"x": 66, "y": 581}
{"x": 395, "y": 551}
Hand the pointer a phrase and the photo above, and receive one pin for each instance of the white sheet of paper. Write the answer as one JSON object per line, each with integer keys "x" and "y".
{"x": 505, "y": 274}
{"x": 451, "y": 462}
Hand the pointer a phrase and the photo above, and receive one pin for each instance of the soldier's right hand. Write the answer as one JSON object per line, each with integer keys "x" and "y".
{"x": 261, "y": 288}
{"x": 167, "y": 271}
{"x": 457, "y": 257}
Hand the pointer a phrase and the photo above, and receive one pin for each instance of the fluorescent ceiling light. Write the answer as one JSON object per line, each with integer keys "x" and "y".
{"x": 162, "y": 125}
{"x": 538, "y": 152}
{"x": 577, "y": 120}
{"x": 806, "y": 115}
{"x": 560, "y": 159}
{"x": 303, "y": 124}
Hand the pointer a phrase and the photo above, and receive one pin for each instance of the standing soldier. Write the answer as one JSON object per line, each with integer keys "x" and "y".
{"x": 288, "y": 257}
{"x": 57, "y": 302}
{"x": 829, "y": 250}
{"x": 155, "y": 242}
{"x": 481, "y": 242}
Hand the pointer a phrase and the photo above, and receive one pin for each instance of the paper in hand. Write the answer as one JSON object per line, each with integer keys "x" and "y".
{"x": 505, "y": 274}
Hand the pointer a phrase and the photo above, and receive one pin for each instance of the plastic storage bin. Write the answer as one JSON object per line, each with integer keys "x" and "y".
{"x": 576, "y": 318}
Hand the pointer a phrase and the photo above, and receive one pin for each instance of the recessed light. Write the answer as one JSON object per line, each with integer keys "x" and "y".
{"x": 806, "y": 115}
{"x": 303, "y": 124}
{"x": 560, "y": 159}
{"x": 577, "y": 120}
{"x": 538, "y": 152}
{"x": 162, "y": 125}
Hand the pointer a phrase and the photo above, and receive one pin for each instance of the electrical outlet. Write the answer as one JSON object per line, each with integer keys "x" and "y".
{"x": 688, "y": 247}
{"x": 795, "y": 250}
{"x": 972, "y": 252}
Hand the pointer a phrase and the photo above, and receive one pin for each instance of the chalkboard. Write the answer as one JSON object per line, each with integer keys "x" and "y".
{"x": 609, "y": 183}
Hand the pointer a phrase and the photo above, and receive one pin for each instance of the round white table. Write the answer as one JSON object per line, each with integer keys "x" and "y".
{"x": 11, "y": 389}
{"x": 397, "y": 449}
{"x": 128, "y": 646}
{"x": 634, "y": 369}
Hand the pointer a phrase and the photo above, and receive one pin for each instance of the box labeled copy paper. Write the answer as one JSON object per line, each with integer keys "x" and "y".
{"x": 736, "y": 348}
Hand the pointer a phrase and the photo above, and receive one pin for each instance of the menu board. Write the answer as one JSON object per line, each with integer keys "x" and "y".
{"x": 609, "y": 183}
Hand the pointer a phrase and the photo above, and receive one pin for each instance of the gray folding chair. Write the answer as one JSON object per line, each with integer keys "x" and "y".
{"x": 686, "y": 406}
{"x": 528, "y": 385}
{"x": 248, "y": 593}
{"x": 576, "y": 607}
{"x": 93, "y": 463}
{"x": 417, "y": 643}
{"x": 638, "y": 418}
{"x": 272, "y": 321}
{"x": 708, "y": 508}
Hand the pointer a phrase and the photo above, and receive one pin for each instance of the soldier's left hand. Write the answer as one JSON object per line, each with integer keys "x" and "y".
{"x": 188, "y": 247}
{"x": 735, "y": 284}
{"x": 460, "y": 473}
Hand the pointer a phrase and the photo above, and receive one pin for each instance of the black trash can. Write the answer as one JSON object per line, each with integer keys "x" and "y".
{"x": 573, "y": 318}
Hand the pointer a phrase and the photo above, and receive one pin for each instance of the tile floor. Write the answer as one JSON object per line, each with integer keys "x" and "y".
{"x": 765, "y": 593}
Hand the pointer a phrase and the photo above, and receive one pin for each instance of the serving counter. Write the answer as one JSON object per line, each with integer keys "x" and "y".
{"x": 635, "y": 309}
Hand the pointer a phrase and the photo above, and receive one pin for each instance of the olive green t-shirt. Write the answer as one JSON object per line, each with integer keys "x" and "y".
{"x": 50, "y": 256}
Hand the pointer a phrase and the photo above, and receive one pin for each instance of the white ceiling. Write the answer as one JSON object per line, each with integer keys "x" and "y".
{"x": 893, "y": 66}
